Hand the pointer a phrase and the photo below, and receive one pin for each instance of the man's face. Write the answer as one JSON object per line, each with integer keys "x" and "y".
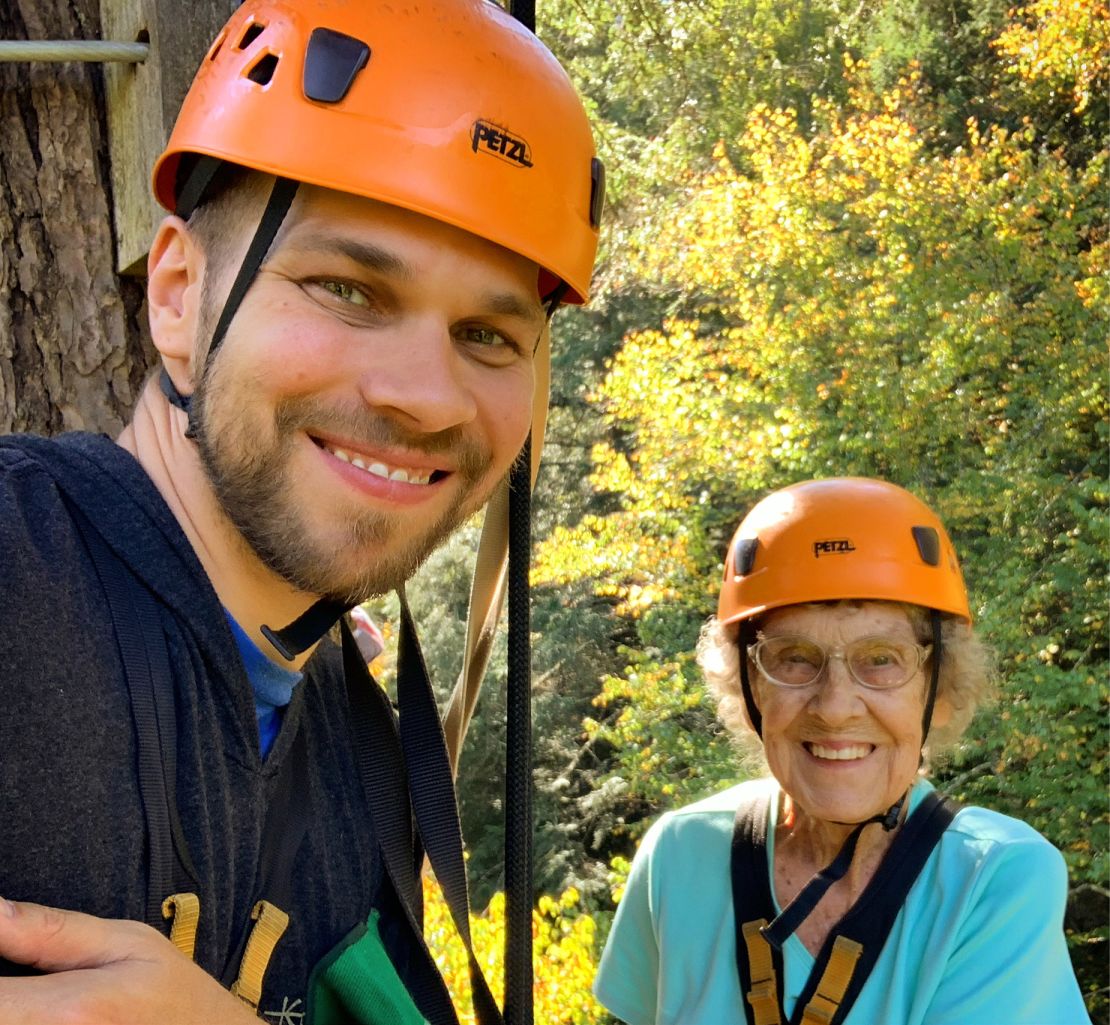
{"x": 373, "y": 388}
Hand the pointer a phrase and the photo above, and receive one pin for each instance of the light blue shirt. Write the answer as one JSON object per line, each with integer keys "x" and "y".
{"x": 272, "y": 684}
{"x": 979, "y": 940}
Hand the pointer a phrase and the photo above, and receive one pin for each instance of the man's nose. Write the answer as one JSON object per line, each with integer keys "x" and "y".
{"x": 417, "y": 375}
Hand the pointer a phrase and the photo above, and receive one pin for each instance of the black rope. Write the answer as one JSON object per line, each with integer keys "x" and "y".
{"x": 518, "y": 754}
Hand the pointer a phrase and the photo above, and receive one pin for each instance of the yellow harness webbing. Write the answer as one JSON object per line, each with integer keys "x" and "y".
{"x": 834, "y": 982}
{"x": 184, "y": 910}
{"x": 270, "y": 922}
{"x": 764, "y": 994}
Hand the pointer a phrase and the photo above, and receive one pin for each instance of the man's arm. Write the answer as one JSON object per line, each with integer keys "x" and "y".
{"x": 103, "y": 972}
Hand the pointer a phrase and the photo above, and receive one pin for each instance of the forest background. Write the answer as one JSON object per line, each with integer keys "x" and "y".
{"x": 842, "y": 237}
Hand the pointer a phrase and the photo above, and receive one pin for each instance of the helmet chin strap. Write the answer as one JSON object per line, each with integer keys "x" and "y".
{"x": 800, "y": 908}
{"x": 307, "y": 629}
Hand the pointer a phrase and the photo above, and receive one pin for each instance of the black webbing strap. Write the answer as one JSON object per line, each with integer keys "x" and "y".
{"x": 191, "y": 191}
{"x": 936, "y": 657}
{"x": 752, "y": 899}
{"x": 518, "y": 753}
{"x": 306, "y": 630}
{"x": 277, "y": 206}
{"x": 868, "y": 922}
{"x": 800, "y": 908}
{"x": 433, "y": 798}
{"x": 381, "y": 766}
{"x": 871, "y": 918}
{"x": 746, "y": 638}
{"x": 142, "y": 647}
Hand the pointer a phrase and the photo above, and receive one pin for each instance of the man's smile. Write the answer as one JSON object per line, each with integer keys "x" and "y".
{"x": 407, "y": 475}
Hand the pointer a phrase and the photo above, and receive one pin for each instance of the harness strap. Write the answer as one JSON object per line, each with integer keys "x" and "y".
{"x": 381, "y": 768}
{"x": 270, "y": 923}
{"x": 142, "y": 648}
{"x": 849, "y": 954}
{"x": 428, "y": 769}
{"x": 764, "y": 993}
{"x": 834, "y": 982}
{"x": 183, "y": 912}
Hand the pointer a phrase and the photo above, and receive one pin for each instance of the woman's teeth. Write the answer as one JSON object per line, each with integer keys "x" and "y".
{"x": 839, "y": 754}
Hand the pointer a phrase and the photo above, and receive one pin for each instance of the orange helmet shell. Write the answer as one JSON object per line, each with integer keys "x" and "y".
{"x": 837, "y": 539}
{"x": 458, "y": 113}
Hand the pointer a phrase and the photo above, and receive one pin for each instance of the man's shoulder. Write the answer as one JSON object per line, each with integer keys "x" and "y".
{"x": 29, "y": 496}
{"x": 30, "y": 463}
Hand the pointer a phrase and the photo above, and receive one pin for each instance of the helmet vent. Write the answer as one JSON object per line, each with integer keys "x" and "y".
{"x": 743, "y": 555}
{"x": 217, "y": 46}
{"x": 597, "y": 192}
{"x": 928, "y": 544}
{"x": 331, "y": 62}
{"x": 252, "y": 32}
{"x": 263, "y": 69}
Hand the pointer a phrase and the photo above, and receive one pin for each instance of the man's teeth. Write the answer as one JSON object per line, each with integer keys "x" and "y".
{"x": 840, "y": 754}
{"x": 381, "y": 470}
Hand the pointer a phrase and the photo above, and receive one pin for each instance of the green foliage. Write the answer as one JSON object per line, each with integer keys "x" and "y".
{"x": 842, "y": 239}
{"x": 894, "y": 265}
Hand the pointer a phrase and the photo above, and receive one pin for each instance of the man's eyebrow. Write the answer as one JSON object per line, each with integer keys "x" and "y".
{"x": 383, "y": 261}
{"x": 510, "y": 304}
{"x": 371, "y": 257}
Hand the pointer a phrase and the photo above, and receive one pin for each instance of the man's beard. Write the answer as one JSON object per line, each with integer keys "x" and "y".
{"x": 250, "y": 470}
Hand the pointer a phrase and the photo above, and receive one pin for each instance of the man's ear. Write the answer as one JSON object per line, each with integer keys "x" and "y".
{"x": 175, "y": 276}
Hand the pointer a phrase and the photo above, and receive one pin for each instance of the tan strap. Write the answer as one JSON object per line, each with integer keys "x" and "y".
{"x": 487, "y": 591}
{"x": 834, "y": 982}
{"x": 184, "y": 910}
{"x": 270, "y": 923}
{"x": 764, "y": 994}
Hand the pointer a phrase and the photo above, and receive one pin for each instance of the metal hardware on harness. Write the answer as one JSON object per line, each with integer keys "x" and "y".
{"x": 56, "y": 51}
{"x": 183, "y": 909}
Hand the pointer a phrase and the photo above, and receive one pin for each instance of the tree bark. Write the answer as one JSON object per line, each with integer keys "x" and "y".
{"x": 74, "y": 349}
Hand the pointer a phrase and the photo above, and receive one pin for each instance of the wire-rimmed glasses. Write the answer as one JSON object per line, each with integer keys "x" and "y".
{"x": 879, "y": 663}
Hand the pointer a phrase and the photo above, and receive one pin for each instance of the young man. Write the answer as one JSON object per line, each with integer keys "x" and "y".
{"x": 376, "y": 212}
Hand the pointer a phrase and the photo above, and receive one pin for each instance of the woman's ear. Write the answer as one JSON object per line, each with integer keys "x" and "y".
{"x": 175, "y": 275}
{"x": 942, "y": 713}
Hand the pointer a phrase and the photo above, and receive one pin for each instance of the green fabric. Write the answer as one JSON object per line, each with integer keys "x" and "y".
{"x": 356, "y": 984}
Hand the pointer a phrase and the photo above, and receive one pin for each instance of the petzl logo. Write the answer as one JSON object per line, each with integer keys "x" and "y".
{"x": 832, "y": 546}
{"x": 492, "y": 139}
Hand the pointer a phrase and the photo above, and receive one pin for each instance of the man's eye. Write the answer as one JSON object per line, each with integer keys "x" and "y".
{"x": 483, "y": 336}
{"x": 346, "y": 291}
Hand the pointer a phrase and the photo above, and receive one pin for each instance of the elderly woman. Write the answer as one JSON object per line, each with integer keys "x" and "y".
{"x": 843, "y": 888}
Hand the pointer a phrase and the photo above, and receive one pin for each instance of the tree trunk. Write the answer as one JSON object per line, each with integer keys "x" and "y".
{"x": 74, "y": 349}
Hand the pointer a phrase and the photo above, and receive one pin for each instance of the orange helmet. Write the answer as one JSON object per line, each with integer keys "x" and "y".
{"x": 841, "y": 538}
{"x": 449, "y": 108}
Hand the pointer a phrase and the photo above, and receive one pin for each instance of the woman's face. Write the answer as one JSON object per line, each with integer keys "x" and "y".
{"x": 842, "y": 751}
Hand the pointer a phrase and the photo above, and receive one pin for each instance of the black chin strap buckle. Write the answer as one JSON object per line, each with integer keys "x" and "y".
{"x": 893, "y": 814}
{"x": 296, "y": 638}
